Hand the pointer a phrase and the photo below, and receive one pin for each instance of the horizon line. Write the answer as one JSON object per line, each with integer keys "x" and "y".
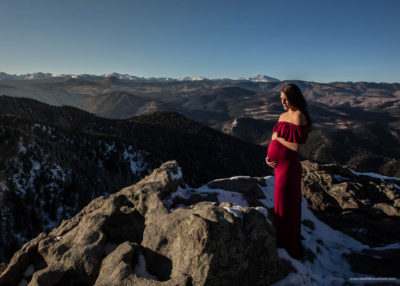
{"x": 193, "y": 77}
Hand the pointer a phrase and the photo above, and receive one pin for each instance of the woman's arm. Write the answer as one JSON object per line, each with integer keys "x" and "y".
{"x": 290, "y": 145}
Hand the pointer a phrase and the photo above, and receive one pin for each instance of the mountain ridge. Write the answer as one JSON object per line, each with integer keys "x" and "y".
{"x": 54, "y": 160}
{"x": 339, "y": 111}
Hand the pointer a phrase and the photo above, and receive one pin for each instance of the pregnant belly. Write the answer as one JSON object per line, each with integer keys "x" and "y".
{"x": 279, "y": 153}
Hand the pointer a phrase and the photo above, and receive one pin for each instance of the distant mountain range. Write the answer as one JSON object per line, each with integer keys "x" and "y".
{"x": 43, "y": 76}
{"x": 355, "y": 124}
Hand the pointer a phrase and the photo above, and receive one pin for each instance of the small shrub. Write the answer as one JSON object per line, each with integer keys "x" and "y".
{"x": 3, "y": 267}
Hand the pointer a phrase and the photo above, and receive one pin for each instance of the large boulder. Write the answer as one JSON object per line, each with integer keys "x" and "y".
{"x": 134, "y": 238}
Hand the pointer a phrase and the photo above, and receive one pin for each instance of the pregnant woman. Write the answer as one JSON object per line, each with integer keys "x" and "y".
{"x": 289, "y": 132}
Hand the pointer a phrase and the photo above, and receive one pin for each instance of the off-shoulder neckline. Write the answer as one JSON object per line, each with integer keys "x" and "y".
{"x": 292, "y": 123}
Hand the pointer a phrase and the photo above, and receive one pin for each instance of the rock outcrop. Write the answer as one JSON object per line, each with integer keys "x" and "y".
{"x": 134, "y": 238}
{"x": 364, "y": 207}
{"x": 55, "y": 160}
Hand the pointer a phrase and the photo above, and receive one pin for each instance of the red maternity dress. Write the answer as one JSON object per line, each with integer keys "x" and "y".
{"x": 287, "y": 195}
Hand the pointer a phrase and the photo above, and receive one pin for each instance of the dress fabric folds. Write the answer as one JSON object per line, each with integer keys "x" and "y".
{"x": 287, "y": 194}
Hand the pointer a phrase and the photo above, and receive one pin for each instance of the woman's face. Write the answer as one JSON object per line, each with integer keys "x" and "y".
{"x": 285, "y": 102}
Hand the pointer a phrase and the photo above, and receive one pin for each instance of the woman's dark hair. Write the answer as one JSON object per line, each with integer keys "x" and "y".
{"x": 296, "y": 98}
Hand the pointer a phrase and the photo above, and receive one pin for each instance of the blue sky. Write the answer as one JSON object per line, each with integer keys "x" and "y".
{"x": 320, "y": 41}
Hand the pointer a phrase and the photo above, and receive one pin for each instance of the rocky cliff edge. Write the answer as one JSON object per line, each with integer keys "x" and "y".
{"x": 146, "y": 235}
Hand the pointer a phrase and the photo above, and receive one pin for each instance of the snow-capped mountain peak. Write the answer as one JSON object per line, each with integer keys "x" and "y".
{"x": 261, "y": 78}
{"x": 192, "y": 78}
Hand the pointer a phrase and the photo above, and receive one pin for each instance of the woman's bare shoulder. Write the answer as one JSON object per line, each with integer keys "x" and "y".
{"x": 299, "y": 118}
{"x": 283, "y": 116}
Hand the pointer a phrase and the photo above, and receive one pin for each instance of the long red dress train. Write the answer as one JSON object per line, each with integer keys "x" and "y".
{"x": 287, "y": 195}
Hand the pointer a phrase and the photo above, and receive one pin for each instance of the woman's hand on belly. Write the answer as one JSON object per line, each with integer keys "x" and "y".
{"x": 272, "y": 164}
